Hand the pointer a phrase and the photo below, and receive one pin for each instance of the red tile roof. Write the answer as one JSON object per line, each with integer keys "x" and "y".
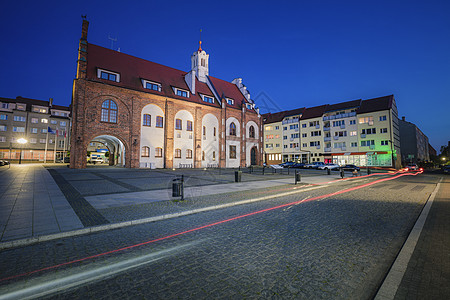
{"x": 133, "y": 69}
{"x": 279, "y": 116}
{"x": 344, "y": 105}
{"x": 314, "y": 112}
{"x": 376, "y": 104}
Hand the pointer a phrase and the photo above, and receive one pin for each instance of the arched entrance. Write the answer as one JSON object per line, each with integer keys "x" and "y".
{"x": 253, "y": 152}
{"x": 110, "y": 150}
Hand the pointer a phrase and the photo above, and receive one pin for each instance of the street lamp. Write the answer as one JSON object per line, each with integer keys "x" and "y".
{"x": 21, "y": 141}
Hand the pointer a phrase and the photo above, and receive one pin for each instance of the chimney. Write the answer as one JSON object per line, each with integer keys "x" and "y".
{"x": 403, "y": 118}
{"x": 50, "y": 102}
{"x": 84, "y": 29}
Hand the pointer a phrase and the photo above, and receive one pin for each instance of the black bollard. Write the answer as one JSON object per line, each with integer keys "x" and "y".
{"x": 298, "y": 177}
{"x": 328, "y": 171}
{"x": 342, "y": 173}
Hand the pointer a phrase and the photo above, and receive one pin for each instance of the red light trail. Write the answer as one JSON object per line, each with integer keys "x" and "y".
{"x": 212, "y": 224}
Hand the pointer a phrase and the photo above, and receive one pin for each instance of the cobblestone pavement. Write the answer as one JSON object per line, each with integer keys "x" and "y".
{"x": 339, "y": 247}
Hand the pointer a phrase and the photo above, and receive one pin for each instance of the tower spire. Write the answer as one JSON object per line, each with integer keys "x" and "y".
{"x": 200, "y": 42}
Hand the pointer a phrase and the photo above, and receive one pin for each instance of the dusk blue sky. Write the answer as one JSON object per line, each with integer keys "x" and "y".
{"x": 299, "y": 53}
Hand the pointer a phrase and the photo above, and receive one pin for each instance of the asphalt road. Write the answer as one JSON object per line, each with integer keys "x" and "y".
{"x": 337, "y": 246}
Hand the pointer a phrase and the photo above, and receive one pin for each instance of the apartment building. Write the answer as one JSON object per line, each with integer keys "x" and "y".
{"x": 414, "y": 143}
{"x": 360, "y": 132}
{"x": 41, "y": 126}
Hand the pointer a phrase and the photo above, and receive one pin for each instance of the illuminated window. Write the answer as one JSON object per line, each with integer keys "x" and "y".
{"x": 177, "y": 153}
{"x": 188, "y": 153}
{"x": 178, "y": 124}
{"x": 145, "y": 152}
{"x": 159, "y": 122}
{"x": 189, "y": 126}
{"x": 251, "y": 132}
{"x": 232, "y": 151}
{"x": 158, "y": 152}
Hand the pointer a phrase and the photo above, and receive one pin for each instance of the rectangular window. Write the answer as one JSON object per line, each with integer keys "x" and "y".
{"x": 109, "y": 76}
{"x": 20, "y": 106}
{"x": 159, "y": 122}
{"x": 367, "y": 143}
{"x": 304, "y": 135}
{"x": 152, "y": 86}
{"x": 177, "y": 153}
{"x": 304, "y": 145}
{"x": 3, "y": 128}
{"x": 19, "y": 118}
{"x": 383, "y": 130}
{"x": 53, "y": 122}
{"x": 62, "y": 123}
{"x": 4, "y": 117}
{"x": 316, "y": 133}
{"x": 145, "y": 151}
{"x": 5, "y": 105}
{"x": 304, "y": 125}
{"x": 189, "y": 126}
{"x": 366, "y": 120}
{"x": 352, "y": 122}
{"x": 338, "y": 123}
{"x": 369, "y": 131}
{"x": 314, "y": 144}
{"x": 181, "y": 93}
{"x": 285, "y": 146}
{"x": 19, "y": 129}
{"x": 33, "y": 141}
{"x": 61, "y": 143}
{"x": 230, "y": 101}
{"x": 188, "y": 153}
{"x": 2, "y": 139}
{"x": 44, "y": 121}
{"x": 384, "y": 143}
{"x": 354, "y": 144}
{"x": 158, "y": 152}
{"x": 277, "y": 127}
{"x": 34, "y": 120}
{"x": 178, "y": 124}
{"x": 352, "y": 133}
{"x": 208, "y": 99}
{"x": 34, "y": 130}
{"x": 232, "y": 151}
{"x": 147, "y": 120}
{"x": 42, "y": 141}
{"x": 382, "y": 118}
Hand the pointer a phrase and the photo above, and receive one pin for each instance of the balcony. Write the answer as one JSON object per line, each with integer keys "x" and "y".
{"x": 289, "y": 121}
{"x": 336, "y": 137}
{"x": 370, "y": 123}
{"x": 292, "y": 139}
{"x": 340, "y": 116}
{"x": 342, "y": 126}
{"x": 327, "y": 149}
{"x": 343, "y": 148}
{"x": 326, "y": 128}
{"x": 296, "y": 129}
{"x": 318, "y": 147}
{"x": 317, "y": 126}
{"x": 372, "y": 147}
{"x": 327, "y": 138}
{"x": 363, "y": 135}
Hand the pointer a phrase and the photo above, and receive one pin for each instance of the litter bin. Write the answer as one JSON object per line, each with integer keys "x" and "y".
{"x": 342, "y": 173}
{"x": 177, "y": 187}
{"x": 368, "y": 171}
{"x": 237, "y": 176}
{"x": 328, "y": 171}
{"x": 298, "y": 177}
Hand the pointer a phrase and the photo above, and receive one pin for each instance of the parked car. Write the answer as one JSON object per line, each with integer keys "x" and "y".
{"x": 329, "y": 167}
{"x": 350, "y": 168}
{"x": 446, "y": 169}
{"x": 4, "y": 163}
{"x": 315, "y": 165}
{"x": 96, "y": 160}
{"x": 287, "y": 164}
{"x": 412, "y": 167}
{"x": 298, "y": 165}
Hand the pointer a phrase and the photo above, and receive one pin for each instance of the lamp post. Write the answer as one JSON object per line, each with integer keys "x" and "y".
{"x": 21, "y": 141}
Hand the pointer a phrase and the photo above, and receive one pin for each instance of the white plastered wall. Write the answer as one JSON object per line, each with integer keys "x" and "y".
{"x": 183, "y": 139}
{"x": 152, "y": 137}
{"x": 210, "y": 143}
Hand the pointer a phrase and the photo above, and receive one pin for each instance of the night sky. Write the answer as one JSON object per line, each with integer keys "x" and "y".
{"x": 290, "y": 55}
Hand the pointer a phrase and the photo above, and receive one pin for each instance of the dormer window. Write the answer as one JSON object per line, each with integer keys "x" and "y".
{"x": 151, "y": 85}
{"x": 182, "y": 93}
{"x": 230, "y": 101}
{"x": 249, "y": 106}
{"x": 108, "y": 75}
{"x": 208, "y": 99}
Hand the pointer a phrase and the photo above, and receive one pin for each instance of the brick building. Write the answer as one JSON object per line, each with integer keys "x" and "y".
{"x": 152, "y": 116}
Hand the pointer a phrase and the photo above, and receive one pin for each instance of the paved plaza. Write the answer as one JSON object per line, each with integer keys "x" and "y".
{"x": 38, "y": 201}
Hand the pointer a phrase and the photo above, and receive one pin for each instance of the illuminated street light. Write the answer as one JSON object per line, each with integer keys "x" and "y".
{"x": 21, "y": 141}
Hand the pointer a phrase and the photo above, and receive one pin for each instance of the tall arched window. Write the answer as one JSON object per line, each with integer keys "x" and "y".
{"x": 232, "y": 128}
{"x": 145, "y": 152}
{"x": 251, "y": 132}
{"x": 109, "y": 111}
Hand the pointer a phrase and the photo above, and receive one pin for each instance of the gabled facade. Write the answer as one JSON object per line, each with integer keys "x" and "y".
{"x": 153, "y": 116}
